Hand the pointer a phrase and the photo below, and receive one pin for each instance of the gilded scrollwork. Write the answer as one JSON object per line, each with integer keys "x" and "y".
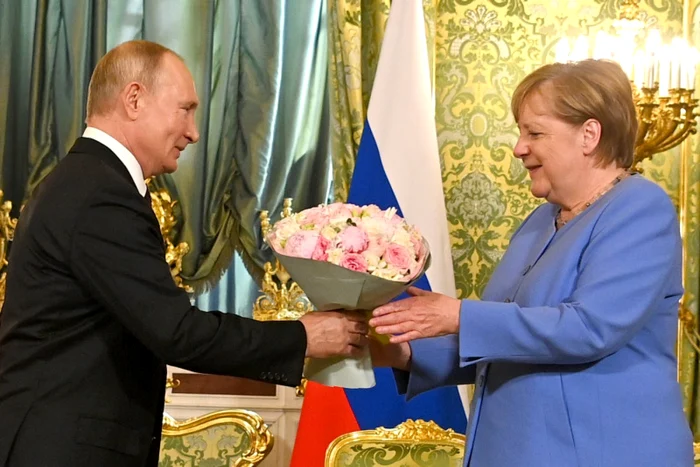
{"x": 7, "y": 233}
{"x": 417, "y": 430}
{"x": 163, "y": 207}
{"x": 282, "y": 298}
{"x": 413, "y": 442}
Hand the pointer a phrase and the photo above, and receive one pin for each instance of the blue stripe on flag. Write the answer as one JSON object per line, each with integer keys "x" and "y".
{"x": 382, "y": 405}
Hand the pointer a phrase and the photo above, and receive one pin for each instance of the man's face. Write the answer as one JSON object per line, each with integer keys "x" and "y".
{"x": 167, "y": 123}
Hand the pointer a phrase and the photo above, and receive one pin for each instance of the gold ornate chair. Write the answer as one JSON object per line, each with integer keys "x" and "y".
{"x": 411, "y": 444}
{"x": 226, "y": 438}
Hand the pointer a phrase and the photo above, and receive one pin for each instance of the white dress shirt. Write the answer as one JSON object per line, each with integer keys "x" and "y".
{"x": 124, "y": 155}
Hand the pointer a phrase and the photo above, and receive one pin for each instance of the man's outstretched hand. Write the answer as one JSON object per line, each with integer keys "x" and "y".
{"x": 333, "y": 333}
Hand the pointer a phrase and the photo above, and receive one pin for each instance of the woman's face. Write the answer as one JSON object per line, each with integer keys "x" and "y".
{"x": 551, "y": 150}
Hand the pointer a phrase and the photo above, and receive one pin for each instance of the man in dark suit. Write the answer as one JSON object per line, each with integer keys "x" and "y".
{"x": 92, "y": 316}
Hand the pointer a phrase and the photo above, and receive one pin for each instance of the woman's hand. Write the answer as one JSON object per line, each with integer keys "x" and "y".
{"x": 424, "y": 314}
{"x": 390, "y": 355}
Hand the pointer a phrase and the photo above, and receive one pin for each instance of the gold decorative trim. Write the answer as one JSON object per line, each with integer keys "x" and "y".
{"x": 262, "y": 440}
{"x": 285, "y": 301}
{"x": 164, "y": 209}
{"x": 282, "y": 298}
{"x": 418, "y": 430}
{"x": 688, "y": 326}
{"x": 664, "y": 122}
{"x": 171, "y": 383}
{"x": 629, "y": 10}
{"x": 300, "y": 390}
{"x": 410, "y": 430}
{"x": 7, "y": 234}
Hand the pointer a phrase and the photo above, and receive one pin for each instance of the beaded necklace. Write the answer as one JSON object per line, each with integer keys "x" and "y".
{"x": 559, "y": 222}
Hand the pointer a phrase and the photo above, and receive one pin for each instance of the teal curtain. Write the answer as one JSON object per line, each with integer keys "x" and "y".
{"x": 47, "y": 49}
{"x": 261, "y": 74}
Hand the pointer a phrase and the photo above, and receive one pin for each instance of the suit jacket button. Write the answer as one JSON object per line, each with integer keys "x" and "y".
{"x": 278, "y": 376}
{"x": 507, "y": 300}
{"x": 284, "y": 378}
{"x": 263, "y": 376}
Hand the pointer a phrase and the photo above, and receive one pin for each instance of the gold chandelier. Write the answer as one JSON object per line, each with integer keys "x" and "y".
{"x": 662, "y": 77}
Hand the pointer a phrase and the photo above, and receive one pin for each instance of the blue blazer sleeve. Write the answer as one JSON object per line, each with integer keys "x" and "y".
{"x": 434, "y": 363}
{"x": 633, "y": 252}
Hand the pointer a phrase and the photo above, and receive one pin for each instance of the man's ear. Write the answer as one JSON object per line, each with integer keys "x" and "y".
{"x": 591, "y": 132}
{"x": 133, "y": 99}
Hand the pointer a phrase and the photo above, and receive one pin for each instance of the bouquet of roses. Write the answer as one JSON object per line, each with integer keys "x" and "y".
{"x": 348, "y": 257}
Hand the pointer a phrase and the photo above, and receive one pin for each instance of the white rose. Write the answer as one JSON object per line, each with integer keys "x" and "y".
{"x": 374, "y": 226}
{"x": 388, "y": 273}
{"x": 335, "y": 255}
{"x": 372, "y": 261}
{"x": 329, "y": 232}
{"x": 286, "y": 228}
{"x": 402, "y": 237}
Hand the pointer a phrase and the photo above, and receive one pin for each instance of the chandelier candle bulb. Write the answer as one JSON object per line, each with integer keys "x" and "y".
{"x": 664, "y": 75}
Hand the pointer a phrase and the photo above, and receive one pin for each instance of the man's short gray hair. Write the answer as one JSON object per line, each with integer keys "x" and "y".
{"x": 131, "y": 61}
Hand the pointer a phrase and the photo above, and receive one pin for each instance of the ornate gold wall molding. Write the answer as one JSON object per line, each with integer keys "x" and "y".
{"x": 282, "y": 298}
{"x": 7, "y": 234}
{"x": 163, "y": 207}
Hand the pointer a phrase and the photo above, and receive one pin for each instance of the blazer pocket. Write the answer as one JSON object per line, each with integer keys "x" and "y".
{"x": 108, "y": 435}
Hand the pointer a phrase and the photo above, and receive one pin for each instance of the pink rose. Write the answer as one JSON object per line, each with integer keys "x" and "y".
{"x": 354, "y": 262}
{"x": 321, "y": 251}
{"x": 301, "y": 244}
{"x": 340, "y": 210}
{"x": 397, "y": 256}
{"x": 353, "y": 240}
{"x": 315, "y": 216}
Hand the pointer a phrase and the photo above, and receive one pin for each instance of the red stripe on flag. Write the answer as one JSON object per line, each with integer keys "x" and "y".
{"x": 325, "y": 415}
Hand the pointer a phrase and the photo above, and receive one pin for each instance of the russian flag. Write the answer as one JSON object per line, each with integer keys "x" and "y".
{"x": 397, "y": 165}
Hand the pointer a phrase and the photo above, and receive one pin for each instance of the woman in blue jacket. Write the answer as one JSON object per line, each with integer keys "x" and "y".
{"x": 572, "y": 347}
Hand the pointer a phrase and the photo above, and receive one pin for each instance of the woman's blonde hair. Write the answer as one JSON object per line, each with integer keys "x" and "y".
{"x": 589, "y": 89}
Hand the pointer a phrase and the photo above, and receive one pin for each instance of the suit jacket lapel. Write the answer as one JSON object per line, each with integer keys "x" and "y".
{"x": 539, "y": 245}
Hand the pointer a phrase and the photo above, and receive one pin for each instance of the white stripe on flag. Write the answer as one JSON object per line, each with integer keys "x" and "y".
{"x": 402, "y": 116}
